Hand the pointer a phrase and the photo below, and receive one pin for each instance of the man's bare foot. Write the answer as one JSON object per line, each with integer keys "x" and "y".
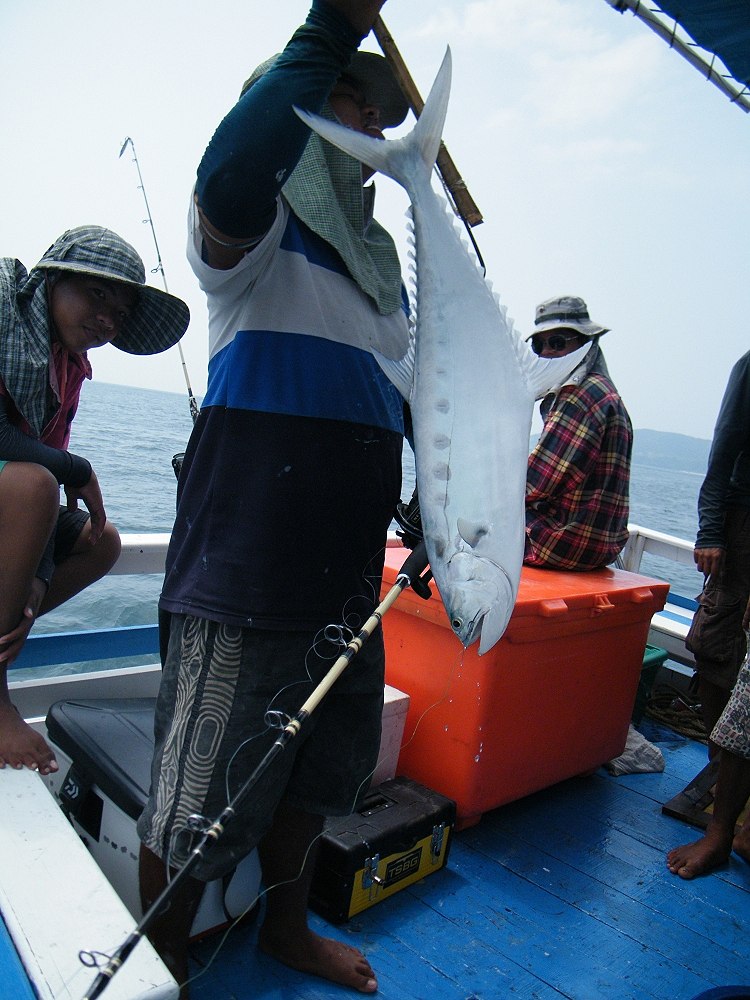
{"x": 325, "y": 957}
{"x": 21, "y": 746}
{"x": 700, "y": 857}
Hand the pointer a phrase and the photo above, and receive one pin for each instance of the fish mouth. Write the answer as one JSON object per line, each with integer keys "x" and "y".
{"x": 489, "y": 621}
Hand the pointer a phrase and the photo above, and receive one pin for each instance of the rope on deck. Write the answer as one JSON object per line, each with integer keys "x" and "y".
{"x": 679, "y": 710}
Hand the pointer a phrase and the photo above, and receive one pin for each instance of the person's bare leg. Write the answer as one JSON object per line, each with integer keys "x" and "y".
{"x": 29, "y": 502}
{"x": 170, "y": 932}
{"x": 85, "y": 565}
{"x": 285, "y": 934}
{"x": 741, "y": 842}
{"x": 713, "y": 700}
{"x": 715, "y": 846}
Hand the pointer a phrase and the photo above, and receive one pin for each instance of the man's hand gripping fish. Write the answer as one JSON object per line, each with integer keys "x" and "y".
{"x": 471, "y": 383}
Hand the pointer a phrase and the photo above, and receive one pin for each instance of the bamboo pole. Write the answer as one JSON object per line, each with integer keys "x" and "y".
{"x": 465, "y": 204}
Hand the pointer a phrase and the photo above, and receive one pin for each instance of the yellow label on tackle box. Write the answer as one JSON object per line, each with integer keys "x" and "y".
{"x": 396, "y": 872}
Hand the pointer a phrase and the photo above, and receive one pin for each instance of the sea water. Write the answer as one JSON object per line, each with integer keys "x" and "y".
{"x": 130, "y": 436}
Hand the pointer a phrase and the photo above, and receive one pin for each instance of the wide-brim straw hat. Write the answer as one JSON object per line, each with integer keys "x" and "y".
{"x": 566, "y": 312}
{"x": 375, "y": 78}
{"x": 158, "y": 320}
{"x": 379, "y": 86}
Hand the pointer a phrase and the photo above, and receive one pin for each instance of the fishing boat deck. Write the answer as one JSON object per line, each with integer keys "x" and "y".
{"x": 564, "y": 893}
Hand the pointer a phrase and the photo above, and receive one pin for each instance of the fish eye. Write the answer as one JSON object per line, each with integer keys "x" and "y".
{"x": 457, "y": 623}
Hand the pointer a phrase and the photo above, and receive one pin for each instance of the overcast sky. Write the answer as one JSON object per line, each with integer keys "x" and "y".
{"x": 604, "y": 165}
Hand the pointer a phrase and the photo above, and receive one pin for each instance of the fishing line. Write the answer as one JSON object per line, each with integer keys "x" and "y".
{"x": 241, "y": 917}
{"x": 464, "y": 221}
{"x": 332, "y": 633}
{"x": 446, "y": 691}
{"x": 414, "y": 565}
{"x": 264, "y": 892}
{"x": 338, "y": 635}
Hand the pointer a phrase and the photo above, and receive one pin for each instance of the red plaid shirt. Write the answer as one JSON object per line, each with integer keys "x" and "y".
{"x": 578, "y": 479}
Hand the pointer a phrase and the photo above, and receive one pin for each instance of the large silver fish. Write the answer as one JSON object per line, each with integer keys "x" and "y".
{"x": 471, "y": 383}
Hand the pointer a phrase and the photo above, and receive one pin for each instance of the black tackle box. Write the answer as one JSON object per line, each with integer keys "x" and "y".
{"x": 400, "y": 834}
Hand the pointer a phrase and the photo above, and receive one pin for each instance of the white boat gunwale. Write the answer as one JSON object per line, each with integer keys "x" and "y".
{"x": 146, "y": 554}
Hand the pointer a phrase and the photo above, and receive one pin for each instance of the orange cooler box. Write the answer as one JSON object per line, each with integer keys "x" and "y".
{"x": 552, "y": 699}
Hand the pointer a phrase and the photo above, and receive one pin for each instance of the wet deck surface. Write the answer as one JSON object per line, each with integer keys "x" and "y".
{"x": 562, "y": 894}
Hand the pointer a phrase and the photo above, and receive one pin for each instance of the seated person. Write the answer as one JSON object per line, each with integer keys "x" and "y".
{"x": 87, "y": 290}
{"x": 579, "y": 470}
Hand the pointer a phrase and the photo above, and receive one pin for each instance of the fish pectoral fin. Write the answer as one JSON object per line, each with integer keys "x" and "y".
{"x": 472, "y": 531}
{"x": 400, "y": 373}
{"x": 496, "y": 620}
{"x": 545, "y": 375}
{"x": 494, "y": 625}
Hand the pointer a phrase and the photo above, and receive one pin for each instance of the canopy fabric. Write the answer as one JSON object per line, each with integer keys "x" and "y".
{"x": 719, "y": 26}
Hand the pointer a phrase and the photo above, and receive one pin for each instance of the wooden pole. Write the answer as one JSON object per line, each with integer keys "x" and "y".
{"x": 465, "y": 204}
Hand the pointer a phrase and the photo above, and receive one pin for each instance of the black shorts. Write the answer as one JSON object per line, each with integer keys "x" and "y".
{"x": 70, "y": 524}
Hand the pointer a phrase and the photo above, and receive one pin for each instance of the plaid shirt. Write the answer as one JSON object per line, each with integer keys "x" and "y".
{"x": 578, "y": 478}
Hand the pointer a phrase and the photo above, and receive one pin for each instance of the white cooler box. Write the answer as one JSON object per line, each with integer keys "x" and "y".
{"x": 104, "y": 749}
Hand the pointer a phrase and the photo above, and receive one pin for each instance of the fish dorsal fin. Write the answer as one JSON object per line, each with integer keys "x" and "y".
{"x": 472, "y": 531}
{"x": 545, "y": 375}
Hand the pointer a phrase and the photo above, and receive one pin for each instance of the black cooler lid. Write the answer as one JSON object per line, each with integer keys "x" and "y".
{"x": 111, "y": 742}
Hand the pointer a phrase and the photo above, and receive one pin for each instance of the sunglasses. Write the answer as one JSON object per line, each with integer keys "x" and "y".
{"x": 555, "y": 342}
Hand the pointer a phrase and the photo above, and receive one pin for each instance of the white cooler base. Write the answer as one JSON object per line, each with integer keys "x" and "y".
{"x": 116, "y": 847}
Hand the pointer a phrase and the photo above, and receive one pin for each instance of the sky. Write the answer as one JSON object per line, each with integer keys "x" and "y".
{"x": 603, "y": 164}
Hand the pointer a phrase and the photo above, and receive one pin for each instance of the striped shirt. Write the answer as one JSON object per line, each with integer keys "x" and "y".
{"x": 578, "y": 479}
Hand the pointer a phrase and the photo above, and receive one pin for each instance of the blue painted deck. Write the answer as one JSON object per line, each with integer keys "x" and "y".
{"x": 562, "y": 894}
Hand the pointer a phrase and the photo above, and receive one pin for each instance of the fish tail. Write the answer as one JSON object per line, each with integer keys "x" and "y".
{"x": 401, "y": 158}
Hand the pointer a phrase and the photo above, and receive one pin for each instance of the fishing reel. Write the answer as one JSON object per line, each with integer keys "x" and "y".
{"x": 409, "y": 520}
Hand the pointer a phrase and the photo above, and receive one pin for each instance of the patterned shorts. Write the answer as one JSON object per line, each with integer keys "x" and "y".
{"x": 732, "y": 731}
{"x": 224, "y": 690}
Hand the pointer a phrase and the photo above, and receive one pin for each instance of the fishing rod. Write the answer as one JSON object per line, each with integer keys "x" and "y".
{"x": 415, "y": 573}
{"x": 160, "y": 268}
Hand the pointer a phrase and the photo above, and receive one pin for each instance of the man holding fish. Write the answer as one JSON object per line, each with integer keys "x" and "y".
{"x": 299, "y": 428}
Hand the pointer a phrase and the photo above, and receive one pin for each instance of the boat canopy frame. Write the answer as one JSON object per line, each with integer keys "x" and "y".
{"x": 712, "y": 35}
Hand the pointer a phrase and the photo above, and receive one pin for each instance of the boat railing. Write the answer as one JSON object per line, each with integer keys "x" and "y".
{"x": 146, "y": 554}
{"x": 669, "y": 627}
{"x": 646, "y": 541}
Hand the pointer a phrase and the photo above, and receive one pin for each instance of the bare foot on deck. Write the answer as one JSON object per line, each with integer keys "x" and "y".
{"x": 21, "y": 746}
{"x": 325, "y": 957}
{"x": 700, "y": 857}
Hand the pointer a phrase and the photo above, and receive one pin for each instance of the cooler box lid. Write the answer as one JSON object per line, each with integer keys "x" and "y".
{"x": 110, "y": 742}
{"x": 560, "y": 600}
